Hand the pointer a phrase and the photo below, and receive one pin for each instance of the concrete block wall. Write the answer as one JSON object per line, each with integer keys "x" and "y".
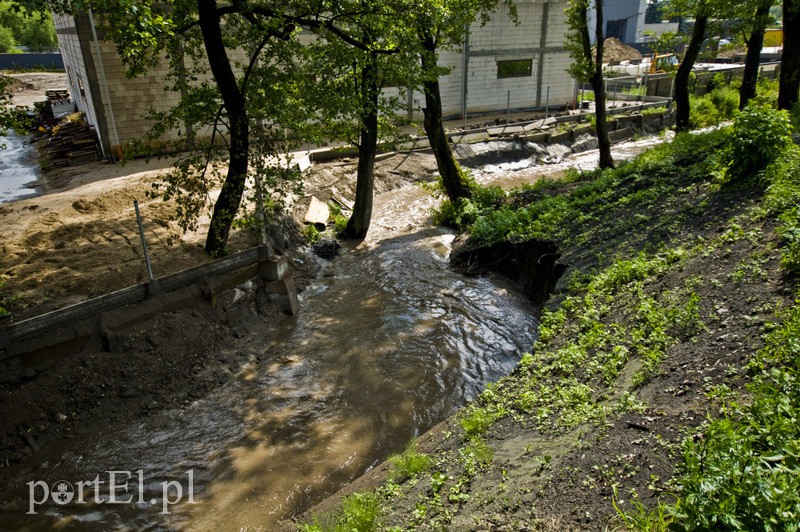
{"x": 82, "y": 319}
{"x": 74, "y": 65}
{"x": 123, "y": 102}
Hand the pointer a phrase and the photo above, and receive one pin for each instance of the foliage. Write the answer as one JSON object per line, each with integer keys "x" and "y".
{"x": 409, "y": 463}
{"x": 714, "y": 107}
{"x": 760, "y": 135}
{"x": 640, "y": 518}
{"x": 360, "y": 512}
{"x": 7, "y": 43}
{"x": 465, "y": 211}
{"x": 783, "y": 200}
{"x": 744, "y": 474}
{"x": 312, "y": 234}
{"x": 3, "y": 312}
{"x": 23, "y": 27}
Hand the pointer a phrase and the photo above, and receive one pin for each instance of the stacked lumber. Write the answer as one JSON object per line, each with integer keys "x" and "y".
{"x": 73, "y": 142}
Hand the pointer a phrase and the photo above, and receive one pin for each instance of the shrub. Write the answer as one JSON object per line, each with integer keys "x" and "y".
{"x": 312, "y": 234}
{"x": 760, "y": 135}
{"x": 463, "y": 213}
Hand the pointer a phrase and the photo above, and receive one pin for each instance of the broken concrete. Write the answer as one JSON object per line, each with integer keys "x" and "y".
{"x": 317, "y": 214}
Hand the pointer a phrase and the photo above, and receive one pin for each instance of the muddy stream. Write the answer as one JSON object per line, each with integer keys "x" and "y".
{"x": 389, "y": 341}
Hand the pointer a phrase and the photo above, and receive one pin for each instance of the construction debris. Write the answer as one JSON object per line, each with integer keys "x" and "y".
{"x": 317, "y": 213}
{"x": 72, "y": 142}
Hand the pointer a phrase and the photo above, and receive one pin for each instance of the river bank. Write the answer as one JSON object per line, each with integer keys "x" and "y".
{"x": 670, "y": 283}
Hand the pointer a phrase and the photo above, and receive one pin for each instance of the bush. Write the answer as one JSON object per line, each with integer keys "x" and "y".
{"x": 463, "y": 213}
{"x": 719, "y": 105}
{"x": 760, "y": 135}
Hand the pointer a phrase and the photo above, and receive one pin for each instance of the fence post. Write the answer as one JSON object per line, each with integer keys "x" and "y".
{"x": 152, "y": 283}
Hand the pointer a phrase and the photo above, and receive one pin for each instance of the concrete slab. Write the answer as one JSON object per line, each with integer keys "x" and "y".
{"x": 470, "y": 137}
{"x": 539, "y": 138}
{"x": 505, "y": 130}
{"x": 562, "y": 137}
{"x": 416, "y": 144}
{"x": 275, "y": 269}
{"x": 620, "y": 135}
{"x": 317, "y": 213}
{"x": 303, "y": 163}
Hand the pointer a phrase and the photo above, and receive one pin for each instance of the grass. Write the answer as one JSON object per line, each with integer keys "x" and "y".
{"x": 360, "y": 512}
{"x": 409, "y": 463}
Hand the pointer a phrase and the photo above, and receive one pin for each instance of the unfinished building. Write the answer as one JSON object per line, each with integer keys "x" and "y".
{"x": 500, "y": 66}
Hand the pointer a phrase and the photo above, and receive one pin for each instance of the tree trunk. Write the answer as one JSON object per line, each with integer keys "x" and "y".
{"x": 358, "y": 224}
{"x": 682, "y": 77}
{"x": 456, "y": 183}
{"x": 754, "y": 44}
{"x": 598, "y": 86}
{"x": 230, "y": 197}
{"x": 790, "y": 61}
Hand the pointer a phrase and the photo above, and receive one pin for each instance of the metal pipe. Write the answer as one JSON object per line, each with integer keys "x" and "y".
{"x": 508, "y": 108}
{"x": 102, "y": 73}
{"x": 144, "y": 242}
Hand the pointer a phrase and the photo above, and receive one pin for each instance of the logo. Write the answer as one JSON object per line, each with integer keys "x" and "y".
{"x": 62, "y": 492}
{"x": 122, "y": 487}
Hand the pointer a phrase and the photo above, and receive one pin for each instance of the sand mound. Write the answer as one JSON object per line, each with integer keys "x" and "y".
{"x": 616, "y": 50}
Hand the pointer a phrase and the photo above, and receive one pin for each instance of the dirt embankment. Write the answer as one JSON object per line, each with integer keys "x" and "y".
{"x": 670, "y": 283}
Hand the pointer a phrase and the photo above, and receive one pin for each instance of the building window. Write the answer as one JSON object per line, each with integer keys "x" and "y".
{"x": 520, "y": 68}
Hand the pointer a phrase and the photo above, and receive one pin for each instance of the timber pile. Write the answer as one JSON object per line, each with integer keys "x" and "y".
{"x": 71, "y": 143}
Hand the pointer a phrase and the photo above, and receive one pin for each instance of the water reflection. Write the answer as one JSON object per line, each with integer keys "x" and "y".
{"x": 18, "y": 168}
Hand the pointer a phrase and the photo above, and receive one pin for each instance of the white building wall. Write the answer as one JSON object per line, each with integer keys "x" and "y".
{"x": 502, "y": 40}
{"x": 123, "y": 102}
{"x": 77, "y": 74}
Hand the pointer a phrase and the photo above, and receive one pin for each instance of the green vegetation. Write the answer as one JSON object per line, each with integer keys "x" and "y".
{"x": 465, "y": 211}
{"x": 19, "y": 27}
{"x": 3, "y": 312}
{"x": 359, "y": 513}
{"x": 760, "y": 135}
{"x": 409, "y": 463}
{"x": 721, "y": 104}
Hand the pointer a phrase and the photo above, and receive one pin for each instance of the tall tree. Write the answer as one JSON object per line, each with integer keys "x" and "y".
{"x": 234, "y": 106}
{"x": 790, "y": 61}
{"x": 435, "y": 26}
{"x": 755, "y": 42}
{"x": 587, "y": 65}
{"x": 351, "y": 104}
{"x": 682, "y": 105}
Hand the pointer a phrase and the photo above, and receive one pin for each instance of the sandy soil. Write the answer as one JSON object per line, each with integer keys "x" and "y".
{"x": 30, "y": 86}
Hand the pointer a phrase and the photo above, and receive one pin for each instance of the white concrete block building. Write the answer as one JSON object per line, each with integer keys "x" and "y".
{"x": 500, "y": 65}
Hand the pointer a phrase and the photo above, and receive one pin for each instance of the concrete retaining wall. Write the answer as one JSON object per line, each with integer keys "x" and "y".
{"x": 86, "y": 318}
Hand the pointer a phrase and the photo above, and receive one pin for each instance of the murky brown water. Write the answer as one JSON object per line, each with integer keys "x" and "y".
{"x": 389, "y": 341}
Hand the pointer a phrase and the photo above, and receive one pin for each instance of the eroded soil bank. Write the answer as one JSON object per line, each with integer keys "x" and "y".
{"x": 670, "y": 281}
